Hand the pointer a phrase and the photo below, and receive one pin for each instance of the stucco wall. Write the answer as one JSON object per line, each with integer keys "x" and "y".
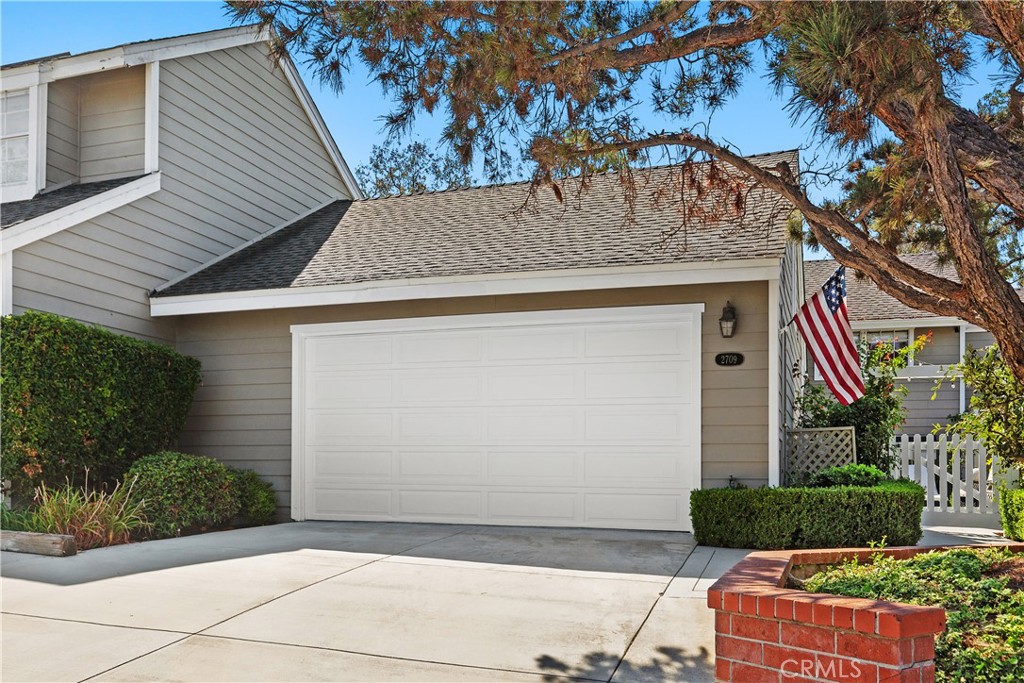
{"x": 242, "y": 412}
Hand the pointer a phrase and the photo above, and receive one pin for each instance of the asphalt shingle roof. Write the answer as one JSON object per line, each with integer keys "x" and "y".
{"x": 12, "y": 213}
{"x": 864, "y": 299}
{"x": 487, "y": 231}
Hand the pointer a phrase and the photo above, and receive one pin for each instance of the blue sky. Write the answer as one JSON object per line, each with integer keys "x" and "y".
{"x": 754, "y": 122}
{"x": 33, "y": 29}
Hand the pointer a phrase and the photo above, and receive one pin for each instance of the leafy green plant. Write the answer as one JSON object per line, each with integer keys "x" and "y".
{"x": 877, "y": 414}
{"x": 776, "y": 518}
{"x": 996, "y": 412}
{"x": 257, "y": 503}
{"x": 984, "y": 636}
{"x": 75, "y": 397}
{"x": 184, "y": 493}
{"x": 853, "y": 474}
{"x": 1011, "y": 512}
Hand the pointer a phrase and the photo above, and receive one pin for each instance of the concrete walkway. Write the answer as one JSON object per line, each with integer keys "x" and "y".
{"x": 367, "y": 602}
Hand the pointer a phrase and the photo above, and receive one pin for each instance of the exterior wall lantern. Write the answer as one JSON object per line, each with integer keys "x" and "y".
{"x": 727, "y": 322}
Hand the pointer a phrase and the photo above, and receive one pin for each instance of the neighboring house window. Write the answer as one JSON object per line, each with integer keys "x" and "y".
{"x": 14, "y": 147}
{"x": 899, "y": 339}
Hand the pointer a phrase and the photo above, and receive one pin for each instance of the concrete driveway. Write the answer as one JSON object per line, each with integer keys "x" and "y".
{"x": 366, "y": 602}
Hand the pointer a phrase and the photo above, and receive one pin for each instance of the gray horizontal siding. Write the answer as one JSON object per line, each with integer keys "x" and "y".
{"x": 62, "y": 131}
{"x": 242, "y": 412}
{"x": 944, "y": 347}
{"x": 237, "y": 157}
{"x": 112, "y": 114}
{"x": 923, "y": 413}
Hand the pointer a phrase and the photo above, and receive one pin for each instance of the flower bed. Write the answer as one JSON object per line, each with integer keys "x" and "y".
{"x": 981, "y": 590}
{"x": 767, "y": 631}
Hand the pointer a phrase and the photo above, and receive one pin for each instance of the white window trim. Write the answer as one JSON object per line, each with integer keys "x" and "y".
{"x": 152, "y": 127}
{"x": 466, "y": 286}
{"x": 6, "y": 283}
{"x": 36, "y": 136}
{"x": 30, "y": 231}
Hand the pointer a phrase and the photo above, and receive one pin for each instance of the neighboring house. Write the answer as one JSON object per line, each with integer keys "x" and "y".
{"x": 462, "y": 356}
{"x": 880, "y": 317}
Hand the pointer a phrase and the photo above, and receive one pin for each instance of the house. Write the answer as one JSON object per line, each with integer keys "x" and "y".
{"x": 483, "y": 355}
{"x": 878, "y": 317}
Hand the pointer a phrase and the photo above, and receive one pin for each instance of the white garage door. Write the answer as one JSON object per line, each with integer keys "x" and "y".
{"x": 581, "y": 418}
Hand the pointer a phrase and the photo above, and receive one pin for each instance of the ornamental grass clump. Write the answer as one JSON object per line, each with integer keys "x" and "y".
{"x": 94, "y": 517}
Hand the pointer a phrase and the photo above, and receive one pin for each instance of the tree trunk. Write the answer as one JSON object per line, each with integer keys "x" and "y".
{"x": 990, "y": 294}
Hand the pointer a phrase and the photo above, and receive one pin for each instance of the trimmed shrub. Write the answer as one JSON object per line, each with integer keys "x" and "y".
{"x": 183, "y": 493}
{"x": 1011, "y": 512}
{"x": 257, "y": 503}
{"x": 848, "y": 475}
{"x": 784, "y": 518}
{"x": 75, "y": 397}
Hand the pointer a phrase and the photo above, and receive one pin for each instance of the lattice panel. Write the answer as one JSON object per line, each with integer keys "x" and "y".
{"x": 809, "y": 451}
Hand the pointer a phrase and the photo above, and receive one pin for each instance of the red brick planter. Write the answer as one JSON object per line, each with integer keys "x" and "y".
{"x": 766, "y": 632}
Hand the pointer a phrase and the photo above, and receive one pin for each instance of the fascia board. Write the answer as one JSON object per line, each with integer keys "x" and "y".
{"x": 30, "y": 231}
{"x": 467, "y": 286}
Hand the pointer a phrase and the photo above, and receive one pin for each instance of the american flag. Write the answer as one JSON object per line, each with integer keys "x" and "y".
{"x": 825, "y": 325}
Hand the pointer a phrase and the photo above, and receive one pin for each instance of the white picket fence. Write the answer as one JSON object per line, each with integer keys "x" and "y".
{"x": 960, "y": 481}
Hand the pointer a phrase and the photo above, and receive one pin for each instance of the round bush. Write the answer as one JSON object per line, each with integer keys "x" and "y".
{"x": 183, "y": 493}
{"x": 256, "y": 500}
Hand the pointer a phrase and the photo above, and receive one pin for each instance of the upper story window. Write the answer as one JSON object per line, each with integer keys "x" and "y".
{"x": 14, "y": 138}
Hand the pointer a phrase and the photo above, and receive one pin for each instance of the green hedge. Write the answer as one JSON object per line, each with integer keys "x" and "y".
{"x": 778, "y": 518}
{"x": 256, "y": 498}
{"x": 183, "y": 493}
{"x": 74, "y": 397}
{"x": 1011, "y": 513}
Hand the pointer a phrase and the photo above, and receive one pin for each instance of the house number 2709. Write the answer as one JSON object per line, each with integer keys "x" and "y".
{"x": 729, "y": 359}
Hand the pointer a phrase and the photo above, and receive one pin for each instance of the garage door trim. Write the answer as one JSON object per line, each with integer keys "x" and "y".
{"x": 302, "y": 333}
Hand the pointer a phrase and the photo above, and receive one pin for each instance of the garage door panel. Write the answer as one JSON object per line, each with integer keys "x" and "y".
{"x": 439, "y": 386}
{"x": 327, "y": 353}
{"x": 338, "y": 464}
{"x": 632, "y": 381}
{"x": 334, "y": 389}
{"x": 642, "y": 509}
{"x": 550, "y": 425}
{"x": 626, "y": 424}
{"x": 533, "y": 383}
{"x": 578, "y": 418}
{"x": 551, "y": 468}
{"x": 529, "y": 507}
{"x": 330, "y": 427}
{"x": 465, "y": 467}
{"x": 447, "y": 504}
{"x": 552, "y": 345}
{"x": 352, "y": 503}
{"x": 637, "y": 341}
{"x": 615, "y": 467}
{"x": 419, "y": 349}
{"x": 440, "y": 426}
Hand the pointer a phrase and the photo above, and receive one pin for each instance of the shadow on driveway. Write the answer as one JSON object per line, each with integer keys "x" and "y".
{"x": 587, "y": 550}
